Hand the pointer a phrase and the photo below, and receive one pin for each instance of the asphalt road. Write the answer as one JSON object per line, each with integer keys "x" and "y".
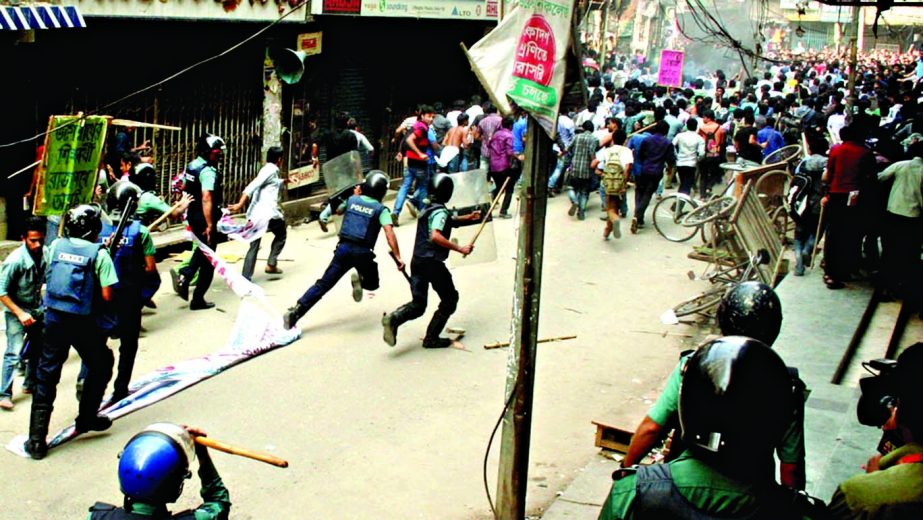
{"x": 378, "y": 432}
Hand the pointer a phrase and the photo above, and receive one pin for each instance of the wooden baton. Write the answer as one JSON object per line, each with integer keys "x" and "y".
{"x": 489, "y": 211}
{"x": 165, "y": 216}
{"x": 243, "y": 452}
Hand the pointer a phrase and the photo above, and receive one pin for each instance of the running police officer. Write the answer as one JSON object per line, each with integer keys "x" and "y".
{"x": 430, "y": 250}
{"x": 752, "y": 309}
{"x": 135, "y": 264}
{"x": 735, "y": 404}
{"x": 152, "y": 468}
{"x": 364, "y": 217}
{"x": 80, "y": 277}
{"x": 203, "y": 183}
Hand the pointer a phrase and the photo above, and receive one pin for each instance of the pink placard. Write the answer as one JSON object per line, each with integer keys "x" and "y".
{"x": 671, "y": 68}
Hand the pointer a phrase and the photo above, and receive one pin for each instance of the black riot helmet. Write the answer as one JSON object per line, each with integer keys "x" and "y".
{"x": 119, "y": 194}
{"x": 375, "y": 185}
{"x": 735, "y": 403}
{"x": 83, "y": 221}
{"x": 207, "y": 144}
{"x": 751, "y": 309}
{"x": 440, "y": 188}
{"x": 145, "y": 176}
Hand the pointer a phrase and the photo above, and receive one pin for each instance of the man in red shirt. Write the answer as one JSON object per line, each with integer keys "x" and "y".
{"x": 849, "y": 167}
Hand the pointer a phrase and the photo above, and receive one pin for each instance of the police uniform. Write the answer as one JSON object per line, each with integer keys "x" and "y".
{"x": 77, "y": 271}
{"x": 363, "y": 219}
{"x": 201, "y": 176}
{"x": 428, "y": 268}
{"x": 893, "y": 492}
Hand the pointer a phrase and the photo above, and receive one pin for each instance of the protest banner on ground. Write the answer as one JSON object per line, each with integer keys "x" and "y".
{"x": 671, "y": 68}
{"x": 67, "y": 173}
{"x": 524, "y": 59}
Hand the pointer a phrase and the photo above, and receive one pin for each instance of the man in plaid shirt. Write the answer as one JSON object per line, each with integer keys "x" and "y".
{"x": 583, "y": 151}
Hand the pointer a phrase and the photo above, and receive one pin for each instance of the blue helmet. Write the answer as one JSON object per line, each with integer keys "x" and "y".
{"x": 155, "y": 462}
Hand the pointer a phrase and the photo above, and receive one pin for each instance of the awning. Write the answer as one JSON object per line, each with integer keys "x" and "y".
{"x": 40, "y": 16}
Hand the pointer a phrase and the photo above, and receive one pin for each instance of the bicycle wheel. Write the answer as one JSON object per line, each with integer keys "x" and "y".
{"x": 782, "y": 223}
{"x": 710, "y": 211}
{"x": 700, "y": 303}
{"x": 669, "y": 214}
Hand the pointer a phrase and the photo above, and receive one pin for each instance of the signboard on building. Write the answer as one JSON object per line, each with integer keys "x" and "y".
{"x": 342, "y": 6}
{"x": 523, "y": 59}
{"x": 67, "y": 173}
{"x": 448, "y": 9}
{"x": 303, "y": 176}
{"x": 310, "y": 43}
{"x": 671, "y": 68}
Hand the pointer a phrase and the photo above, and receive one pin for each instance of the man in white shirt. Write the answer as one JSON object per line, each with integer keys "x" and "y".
{"x": 690, "y": 149}
{"x": 263, "y": 193}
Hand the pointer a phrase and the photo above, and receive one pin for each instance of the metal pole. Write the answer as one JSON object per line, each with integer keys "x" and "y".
{"x": 853, "y": 62}
{"x": 520, "y": 379}
{"x": 604, "y": 10}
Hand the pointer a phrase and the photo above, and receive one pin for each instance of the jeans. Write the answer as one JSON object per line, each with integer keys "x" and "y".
{"x": 459, "y": 163}
{"x": 578, "y": 197}
{"x": 418, "y": 178}
{"x": 556, "y": 174}
{"x": 15, "y": 340}
{"x": 277, "y": 228}
{"x": 645, "y": 186}
{"x": 686, "y": 179}
{"x": 346, "y": 256}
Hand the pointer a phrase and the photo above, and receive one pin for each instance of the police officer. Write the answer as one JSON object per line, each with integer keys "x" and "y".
{"x": 80, "y": 277}
{"x": 135, "y": 265}
{"x": 735, "y": 403}
{"x": 152, "y": 468}
{"x": 751, "y": 309}
{"x": 430, "y": 250}
{"x": 203, "y": 183}
{"x": 150, "y": 205}
{"x": 364, "y": 216}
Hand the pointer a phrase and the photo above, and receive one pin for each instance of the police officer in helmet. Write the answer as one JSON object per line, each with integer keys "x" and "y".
{"x": 152, "y": 469}
{"x": 80, "y": 277}
{"x": 364, "y": 217}
{"x": 735, "y": 404}
{"x": 150, "y": 205}
{"x": 430, "y": 251}
{"x": 203, "y": 182}
{"x": 751, "y": 309}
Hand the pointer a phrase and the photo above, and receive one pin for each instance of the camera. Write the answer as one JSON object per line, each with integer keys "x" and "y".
{"x": 877, "y": 399}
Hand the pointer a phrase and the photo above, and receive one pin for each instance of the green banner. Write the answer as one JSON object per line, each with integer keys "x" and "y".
{"x": 73, "y": 148}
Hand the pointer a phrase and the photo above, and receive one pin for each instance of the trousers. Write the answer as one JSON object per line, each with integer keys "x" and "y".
{"x": 346, "y": 256}
{"x": 279, "y": 234}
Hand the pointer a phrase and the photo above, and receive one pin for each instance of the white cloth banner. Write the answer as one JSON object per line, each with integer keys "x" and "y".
{"x": 524, "y": 59}
{"x": 252, "y": 229}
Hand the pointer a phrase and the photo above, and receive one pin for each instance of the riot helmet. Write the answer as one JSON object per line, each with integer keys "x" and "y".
{"x": 375, "y": 185}
{"x": 83, "y": 221}
{"x": 751, "y": 309}
{"x": 119, "y": 194}
{"x": 440, "y": 188}
{"x": 209, "y": 144}
{"x": 155, "y": 462}
{"x": 735, "y": 402}
{"x": 145, "y": 176}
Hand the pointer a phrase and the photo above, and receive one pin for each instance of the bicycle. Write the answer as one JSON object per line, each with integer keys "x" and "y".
{"x": 671, "y": 211}
{"x": 723, "y": 279}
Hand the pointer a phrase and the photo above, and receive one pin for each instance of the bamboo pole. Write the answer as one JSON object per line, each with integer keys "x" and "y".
{"x": 502, "y": 344}
{"x": 489, "y": 211}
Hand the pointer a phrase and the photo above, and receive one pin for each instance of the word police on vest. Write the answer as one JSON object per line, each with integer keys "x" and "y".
{"x": 71, "y": 258}
{"x": 362, "y": 209}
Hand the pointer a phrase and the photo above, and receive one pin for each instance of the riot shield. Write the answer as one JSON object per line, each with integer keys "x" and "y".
{"x": 472, "y": 192}
{"x": 341, "y": 172}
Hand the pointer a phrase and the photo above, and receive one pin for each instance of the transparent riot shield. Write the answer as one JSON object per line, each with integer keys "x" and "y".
{"x": 339, "y": 173}
{"x": 472, "y": 192}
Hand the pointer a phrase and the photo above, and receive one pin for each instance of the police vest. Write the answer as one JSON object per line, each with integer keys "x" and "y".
{"x": 361, "y": 222}
{"x": 71, "y": 280}
{"x": 423, "y": 247}
{"x": 656, "y": 496}
{"x": 129, "y": 257}
{"x": 193, "y": 186}
{"x": 104, "y": 511}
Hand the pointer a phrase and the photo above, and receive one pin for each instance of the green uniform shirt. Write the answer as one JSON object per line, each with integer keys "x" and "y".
{"x": 105, "y": 269}
{"x": 791, "y": 449}
{"x": 149, "y": 202}
{"x": 384, "y": 218}
{"x": 437, "y": 220}
{"x": 893, "y": 492}
{"x": 21, "y": 279}
{"x": 207, "y": 178}
{"x": 704, "y": 488}
{"x": 147, "y": 243}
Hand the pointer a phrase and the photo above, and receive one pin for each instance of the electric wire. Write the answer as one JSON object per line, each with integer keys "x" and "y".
{"x": 170, "y": 77}
{"x": 509, "y": 401}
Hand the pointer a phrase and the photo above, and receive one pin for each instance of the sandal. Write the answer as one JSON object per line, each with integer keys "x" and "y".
{"x": 833, "y": 284}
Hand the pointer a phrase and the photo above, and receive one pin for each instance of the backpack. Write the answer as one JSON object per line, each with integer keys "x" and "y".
{"x": 712, "y": 148}
{"x": 614, "y": 178}
{"x": 799, "y": 190}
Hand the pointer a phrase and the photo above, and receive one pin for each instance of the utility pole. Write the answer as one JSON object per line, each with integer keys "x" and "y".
{"x": 604, "y": 10}
{"x": 520, "y": 379}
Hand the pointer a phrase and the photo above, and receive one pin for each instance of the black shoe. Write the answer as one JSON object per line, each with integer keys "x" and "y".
{"x": 505, "y": 215}
{"x": 390, "y": 331}
{"x": 36, "y": 449}
{"x": 94, "y": 424}
{"x": 437, "y": 343}
{"x": 150, "y": 304}
{"x": 200, "y": 305}
{"x": 322, "y": 224}
{"x": 394, "y": 221}
{"x": 116, "y": 397}
{"x": 292, "y": 315}
{"x": 180, "y": 285}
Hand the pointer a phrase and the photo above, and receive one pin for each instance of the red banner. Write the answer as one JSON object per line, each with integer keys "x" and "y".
{"x": 342, "y": 6}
